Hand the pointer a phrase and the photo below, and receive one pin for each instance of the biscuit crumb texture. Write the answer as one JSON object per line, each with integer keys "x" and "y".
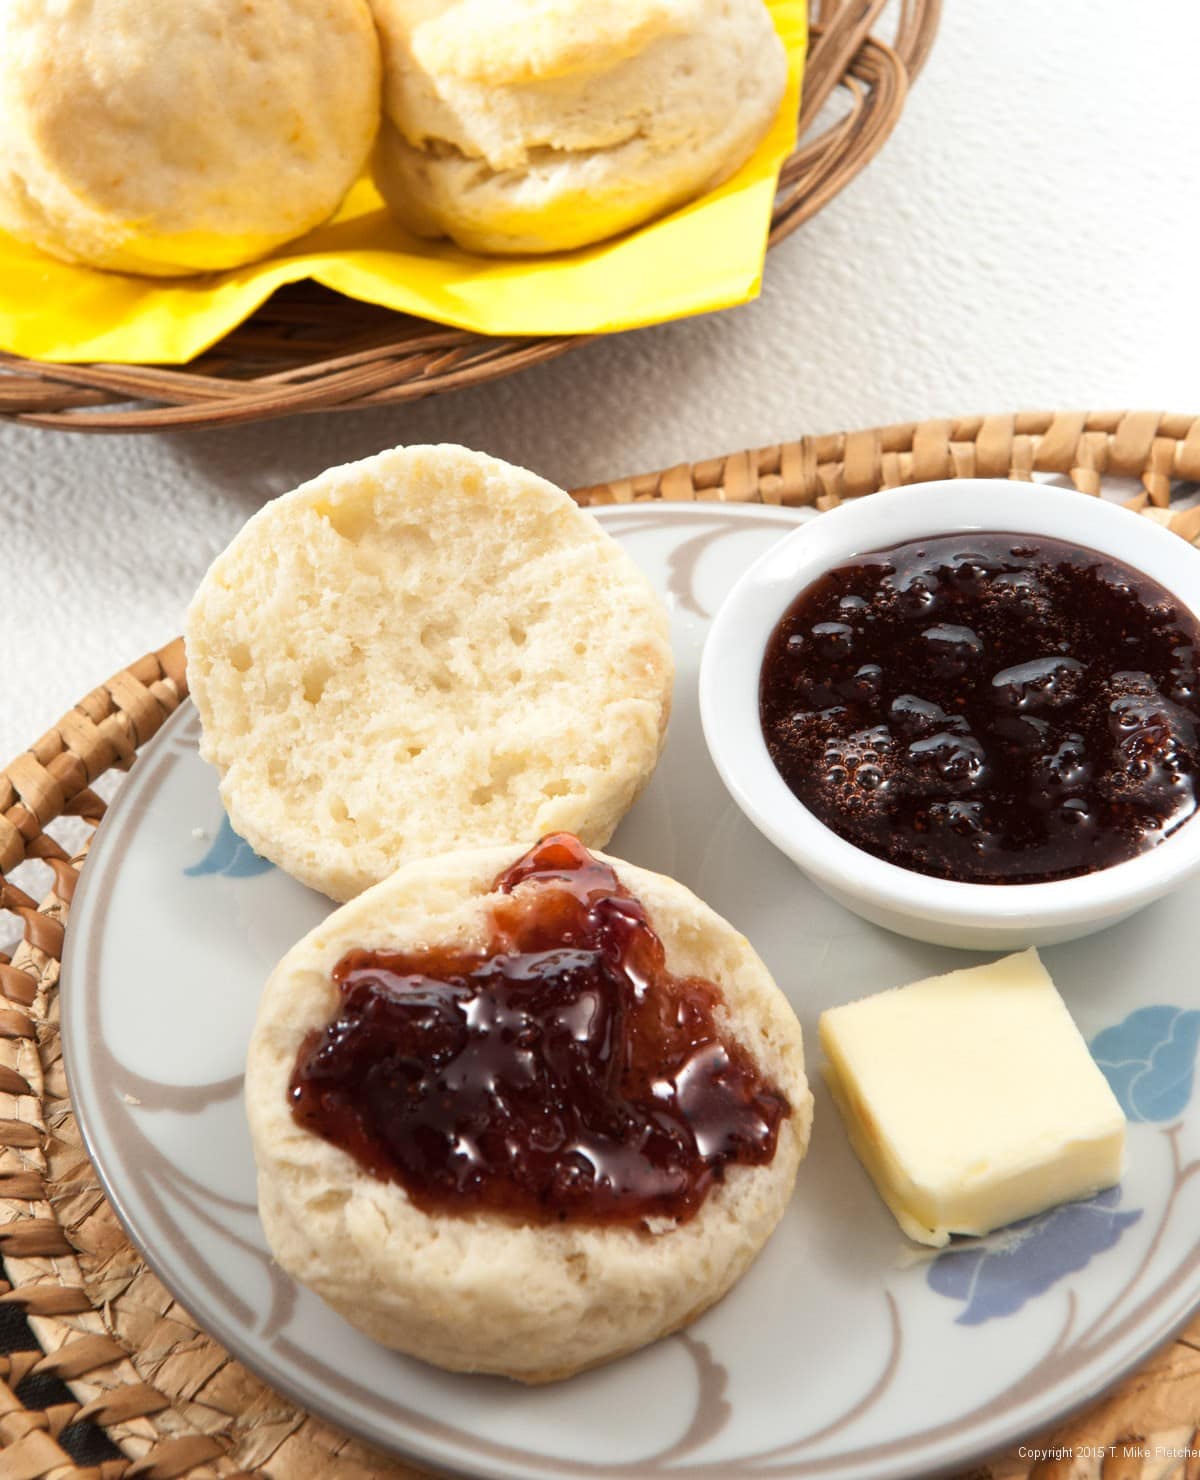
{"x": 427, "y": 650}
{"x": 179, "y": 136}
{"x": 477, "y": 1292}
{"x": 540, "y": 125}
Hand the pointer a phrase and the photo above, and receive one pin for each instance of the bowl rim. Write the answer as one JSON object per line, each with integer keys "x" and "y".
{"x": 728, "y": 694}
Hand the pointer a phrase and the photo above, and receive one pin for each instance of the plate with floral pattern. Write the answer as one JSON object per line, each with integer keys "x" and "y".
{"x": 846, "y": 1351}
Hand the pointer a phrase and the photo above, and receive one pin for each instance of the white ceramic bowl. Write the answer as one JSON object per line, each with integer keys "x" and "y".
{"x": 975, "y": 916}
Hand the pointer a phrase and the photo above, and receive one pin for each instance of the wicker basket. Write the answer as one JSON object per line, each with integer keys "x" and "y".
{"x": 124, "y": 1384}
{"x": 308, "y": 349}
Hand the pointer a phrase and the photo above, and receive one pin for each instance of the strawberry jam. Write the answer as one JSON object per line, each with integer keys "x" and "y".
{"x": 994, "y": 708}
{"x": 558, "y": 1071}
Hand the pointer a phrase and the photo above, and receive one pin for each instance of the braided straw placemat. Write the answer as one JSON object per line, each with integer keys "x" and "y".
{"x": 124, "y": 1383}
{"x": 308, "y": 349}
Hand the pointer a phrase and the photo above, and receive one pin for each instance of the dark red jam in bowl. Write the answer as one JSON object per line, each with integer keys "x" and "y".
{"x": 995, "y": 708}
{"x": 559, "y": 1072}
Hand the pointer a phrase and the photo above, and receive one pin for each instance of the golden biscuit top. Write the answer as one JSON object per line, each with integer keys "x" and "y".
{"x": 507, "y": 42}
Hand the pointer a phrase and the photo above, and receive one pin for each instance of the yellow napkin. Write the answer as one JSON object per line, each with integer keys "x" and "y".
{"x": 707, "y": 255}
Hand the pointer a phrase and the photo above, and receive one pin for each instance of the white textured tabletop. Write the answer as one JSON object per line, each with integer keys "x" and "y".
{"x": 1028, "y": 238}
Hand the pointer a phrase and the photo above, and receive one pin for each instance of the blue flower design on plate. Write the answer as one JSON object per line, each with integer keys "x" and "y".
{"x": 230, "y": 855}
{"x": 997, "y": 1281}
{"x": 1150, "y": 1061}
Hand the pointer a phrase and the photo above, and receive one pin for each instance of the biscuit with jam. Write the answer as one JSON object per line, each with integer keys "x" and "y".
{"x": 523, "y": 1111}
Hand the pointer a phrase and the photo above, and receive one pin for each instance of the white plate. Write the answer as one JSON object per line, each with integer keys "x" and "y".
{"x": 845, "y": 1351}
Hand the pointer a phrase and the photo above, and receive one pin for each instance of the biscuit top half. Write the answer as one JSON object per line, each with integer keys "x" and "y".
{"x": 425, "y": 650}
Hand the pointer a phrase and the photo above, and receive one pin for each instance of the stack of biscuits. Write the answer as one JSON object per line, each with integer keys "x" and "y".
{"x": 188, "y": 136}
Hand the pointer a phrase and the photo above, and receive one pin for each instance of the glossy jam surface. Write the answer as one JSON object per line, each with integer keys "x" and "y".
{"x": 994, "y": 708}
{"x": 561, "y": 1072}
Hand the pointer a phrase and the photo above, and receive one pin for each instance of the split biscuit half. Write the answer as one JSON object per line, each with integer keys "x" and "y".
{"x": 482, "y": 1291}
{"x": 427, "y": 650}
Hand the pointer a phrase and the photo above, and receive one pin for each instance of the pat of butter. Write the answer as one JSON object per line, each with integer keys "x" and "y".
{"x": 972, "y": 1099}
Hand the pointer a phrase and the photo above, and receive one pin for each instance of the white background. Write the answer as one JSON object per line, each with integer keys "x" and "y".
{"x": 1028, "y": 238}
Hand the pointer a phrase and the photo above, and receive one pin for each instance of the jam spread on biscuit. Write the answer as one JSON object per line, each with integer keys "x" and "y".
{"x": 993, "y": 708}
{"x": 558, "y": 1072}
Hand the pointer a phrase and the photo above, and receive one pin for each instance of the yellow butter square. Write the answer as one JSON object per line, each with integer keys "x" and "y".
{"x": 972, "y": 1099}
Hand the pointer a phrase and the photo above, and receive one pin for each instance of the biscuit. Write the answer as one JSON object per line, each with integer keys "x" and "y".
{"x": 483, "y": 1291}
{"x": 427, "y": 650}
{"x": 181, "y": 136}
{"x": 541, "y": 125}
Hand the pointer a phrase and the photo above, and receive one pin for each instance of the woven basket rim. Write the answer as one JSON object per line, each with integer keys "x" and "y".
{"x": 308, "y": 349}
{"x": 162, "y": 1391}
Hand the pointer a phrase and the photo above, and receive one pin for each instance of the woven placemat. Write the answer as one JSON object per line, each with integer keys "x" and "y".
{"x": 308, "y": 349}
{"x": 122, "y": 1382}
